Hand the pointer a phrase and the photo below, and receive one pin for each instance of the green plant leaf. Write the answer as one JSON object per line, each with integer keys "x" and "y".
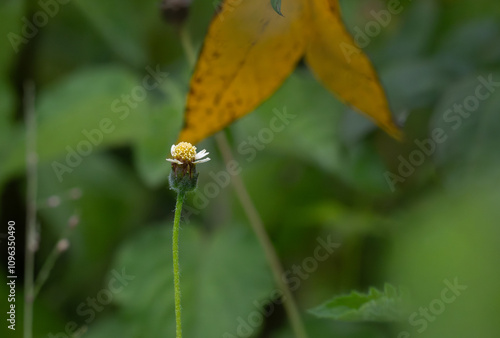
{"x": 112, "y": 202}
{"x": 311, "y": 134}
{"x": 87, "y": 112}
{"x": 312, "y": 114}
{"x": 116, "y": 23}
{"x": 10, "y": 29}
{"x": 427, "y": 79}
{"x": 410, "y": 38}
{"x": 449, "y": 237}
{"x": 470, "y": 46}
{"x": 163, "y": 122}
{"x": 470, "y": 136}
{"x": 277, "y": 6}
{"x": 224, "y": 277}
{"x": 374, "y": 306}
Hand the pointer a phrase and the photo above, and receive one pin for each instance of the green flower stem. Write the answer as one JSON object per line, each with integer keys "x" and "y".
{"x": 175, "y": 255}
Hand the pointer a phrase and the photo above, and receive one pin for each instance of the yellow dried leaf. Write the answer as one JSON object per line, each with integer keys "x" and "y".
{"x": 250, "y": 50}
{"x": 349, "y": 75}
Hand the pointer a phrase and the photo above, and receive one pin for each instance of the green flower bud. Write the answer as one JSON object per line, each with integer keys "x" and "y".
{"x": 183, "y": 177}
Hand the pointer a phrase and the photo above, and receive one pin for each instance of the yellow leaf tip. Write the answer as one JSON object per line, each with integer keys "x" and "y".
{"x": 394, "y": 131}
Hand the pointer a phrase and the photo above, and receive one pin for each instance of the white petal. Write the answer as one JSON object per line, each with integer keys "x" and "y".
{"x": 201, "y": 154}
{"x": 174, "y": 160}
{"x": 172, "y": 149}
{"x": 202, "y": 160}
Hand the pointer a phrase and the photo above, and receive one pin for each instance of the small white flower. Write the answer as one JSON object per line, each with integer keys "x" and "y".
{"x": 185, "y": 153}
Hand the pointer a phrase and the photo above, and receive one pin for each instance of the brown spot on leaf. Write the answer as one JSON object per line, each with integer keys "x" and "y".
{"x": 217, "y": 98}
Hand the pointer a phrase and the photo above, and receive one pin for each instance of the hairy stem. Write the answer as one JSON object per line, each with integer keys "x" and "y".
{"x": 175, "y": 255}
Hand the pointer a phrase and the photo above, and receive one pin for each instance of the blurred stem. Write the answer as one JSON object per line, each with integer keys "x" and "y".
{"x": 187, "y": 45}
{"x": 252, "y": 213}
{"x": 175, "y": 255}
{"x": 44, "y": 273}
{"x": 31, "y": 192}
{"x": 258, "y": 227}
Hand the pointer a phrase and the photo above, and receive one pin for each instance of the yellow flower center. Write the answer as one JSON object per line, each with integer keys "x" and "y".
{"x": 185, "y": 152}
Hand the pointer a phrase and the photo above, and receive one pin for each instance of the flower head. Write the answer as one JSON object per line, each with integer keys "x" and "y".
{"x": 183, "y": 177}
{"x": 185, "y": 153}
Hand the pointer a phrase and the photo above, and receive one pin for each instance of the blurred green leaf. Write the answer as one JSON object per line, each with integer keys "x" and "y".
{"x": 310, "y": 130}
{"x": 6, "y": 113}
{"x": 320, "y": 328}
{"x": 470, "y": 125}
{"x": 88, "y": 111}
{"x": 414, "y": 84}
{"x": 374, "y": 306}
{"x": 46, "y": 318}
{"x": 469, "y": 46}
{"x": 117, "y": 22}
{"x": 456, "y": 11}
{"x": 112, "y": 202}
{"x": 10, "y": 29}
{"x": 347, "y": 220}
{"x": 111, "y": 326}
{"x": 311, "y": 134}
{"x": 450, "y": 237}
{"x": 224, "y": 277}
{"x": 11, "y": 43}
{"x": 407, "y": 37}
{"x": 162, "y": 128}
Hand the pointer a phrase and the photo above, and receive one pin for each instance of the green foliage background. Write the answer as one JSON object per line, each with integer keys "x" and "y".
{"x": 323, "y": 176}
